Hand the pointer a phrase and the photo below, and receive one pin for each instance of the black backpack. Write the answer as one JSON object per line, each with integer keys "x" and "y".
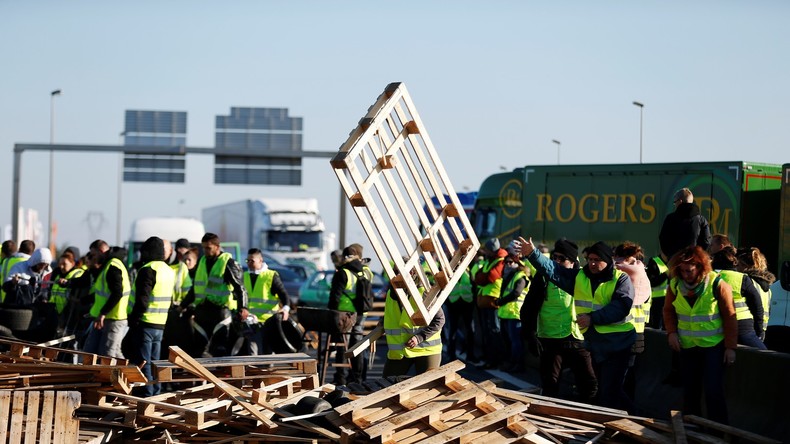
{"x": 363, "y": 301}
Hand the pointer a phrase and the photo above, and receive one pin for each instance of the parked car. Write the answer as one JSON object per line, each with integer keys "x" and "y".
{"x": 291, "y": 280}
{"x": 315, "y": 291}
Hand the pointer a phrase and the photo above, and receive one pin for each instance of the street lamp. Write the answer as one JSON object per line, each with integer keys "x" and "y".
{"x": 558, "y": 149}
{"x": 52, "y": 96}
{"x": 118, "y": 190}
{"x": 641, "y": 109}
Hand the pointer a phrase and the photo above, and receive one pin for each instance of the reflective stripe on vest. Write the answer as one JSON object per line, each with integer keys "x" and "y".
{"x": 346, "y": 302}
{"x": 735, "y": 279}
{"x": 161, "y": 295}
{"x": 101, "y": 292}
{"x": 492, "y": 289}
{"x": 700, "y": 325}
{"x": 261, "y": 303}
{"x": 512, "y": 310}
{"x": 659, "y": 291}
{"x": 586, "y": 302}
{"x": 182, "y": 282}
{"x": 399, "y": 329}
{"x": 7, "y": 264}
{"x": 59, "y": 294}
{"x": 211, "y": 285}
{"x": 557, "y": 316}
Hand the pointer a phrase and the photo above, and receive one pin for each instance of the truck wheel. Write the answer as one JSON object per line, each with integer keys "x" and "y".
{"x": 17, "y": 319}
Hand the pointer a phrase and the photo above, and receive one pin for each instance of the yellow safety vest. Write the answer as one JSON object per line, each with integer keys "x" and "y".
{"x": 700, "y": 325}
{"x": 399, "y": 329}
{"x": 161, "y": 295}
{"x": 211, "y": 285}
{"x": 765, "y": 298}
{"x": 462, "y": 289}
{"x": 512, "y": 310}
{"x": 735, "y": 279}
{"x": 557, "y": 316}
{"x": 492, "y": 289}
{"x": 586, "y": 302}
{"x": 261, "y": 302}
{"x": 60, "y": 294}
{"x": 101, "y": 292}
{"x": 4, "y": 269}
{"x": 183, "y": 283}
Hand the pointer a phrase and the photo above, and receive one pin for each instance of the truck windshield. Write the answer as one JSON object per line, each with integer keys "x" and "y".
{"x": 293, "y": 241}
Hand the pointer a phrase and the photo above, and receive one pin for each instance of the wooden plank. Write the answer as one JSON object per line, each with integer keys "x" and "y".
{"x": 638, "y": 432}
{"x": 47, "y": 417}
{"x": 31, "y": 421}
{"x": 396, "y": 389}
{"x": 17, "y": 414}
{"x": 454, "y": 433}
{"x": 5, "y": 406}
{"x": 695, "y": 436}
{"x": 366, "y": 341}
{"x": 678, "y": 429}
{"x": 385, "y": 428}
{"x": 749, "y": 436}
{"x": 182, "y": 359}
{"x": 66, "y": 424}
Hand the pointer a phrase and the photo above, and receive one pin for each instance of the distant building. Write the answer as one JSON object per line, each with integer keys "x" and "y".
{"x": 154, "y": 128}
{"x": 258, "y": 130}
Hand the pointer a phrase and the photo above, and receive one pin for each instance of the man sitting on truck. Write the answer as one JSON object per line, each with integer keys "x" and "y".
{"x": 218, "y": 288}
{"x": 685, "y": 227}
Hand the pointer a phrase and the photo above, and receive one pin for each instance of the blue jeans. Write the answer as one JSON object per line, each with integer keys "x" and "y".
{"x": 150, "y": 347}
{"x": 611, "y": 372}
{"x": 750, "y": 339}
{"x": 107, "y": 341}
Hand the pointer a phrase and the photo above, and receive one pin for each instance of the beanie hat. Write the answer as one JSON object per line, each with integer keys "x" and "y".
{"x": 492, "y": 244}
{"x": 567, "y": 248}
{"x": 153, "y": 249}
{"x": 75, "y": 252}
{"x": 601, "y": 250}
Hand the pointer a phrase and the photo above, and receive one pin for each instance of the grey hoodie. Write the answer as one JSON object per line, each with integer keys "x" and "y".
{"x": 29, "y": 286}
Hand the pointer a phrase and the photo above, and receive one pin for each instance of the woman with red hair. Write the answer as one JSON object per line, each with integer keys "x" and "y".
{"x": 700, "y": 320}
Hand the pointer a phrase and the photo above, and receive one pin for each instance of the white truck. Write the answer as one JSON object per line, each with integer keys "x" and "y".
{"x": 170, "y": 228}
{"x": 290, "y": 228}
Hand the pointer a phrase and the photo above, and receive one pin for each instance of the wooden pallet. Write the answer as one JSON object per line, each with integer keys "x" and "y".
{"x": 22, "y": 349}
{"x": 38, "y": 417}
{"x": 390, "y": 172}
{"x": 435, "y": 407}
{"x": 267, "y": 369}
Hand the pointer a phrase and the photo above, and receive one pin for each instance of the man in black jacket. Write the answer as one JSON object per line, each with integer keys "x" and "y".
{"x": 684, "y": 227}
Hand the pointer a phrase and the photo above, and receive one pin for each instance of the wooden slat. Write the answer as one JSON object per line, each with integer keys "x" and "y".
{"x": 678, "y": 429}
{"x": 66, "y": 425}
{"x": 477, "y": 423}
{"x": 749, "y": 436}
{"x": 47, "y": 417}
{"x": 17, "y": 415}
{"x": 31, "y": 421}
{"x": 638, "y": 432}
{"x": 5, "y": 406}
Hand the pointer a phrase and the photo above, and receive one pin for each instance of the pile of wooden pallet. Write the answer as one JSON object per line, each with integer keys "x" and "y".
{"x": 253, "y": 399}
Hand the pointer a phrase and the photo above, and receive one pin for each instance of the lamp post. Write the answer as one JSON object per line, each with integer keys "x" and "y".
{"x": 558, "y": 149}
{"x": 641, "y": 109}
{"x": 52, "y": 96}
{"x": 118, "y": 191}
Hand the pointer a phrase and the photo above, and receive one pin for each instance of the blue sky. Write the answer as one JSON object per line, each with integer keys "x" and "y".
{"x": 494, "y": 83}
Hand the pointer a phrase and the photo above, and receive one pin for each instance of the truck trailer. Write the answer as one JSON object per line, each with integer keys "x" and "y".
{"x": 614, "y": 203}
{"x": 289, "y": 228}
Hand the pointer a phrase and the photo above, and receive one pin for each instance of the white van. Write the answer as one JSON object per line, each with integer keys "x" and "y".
{"x": 777, "y": 336}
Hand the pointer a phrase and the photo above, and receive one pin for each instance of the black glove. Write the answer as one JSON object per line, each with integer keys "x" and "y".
{"x": 533, "y": 345}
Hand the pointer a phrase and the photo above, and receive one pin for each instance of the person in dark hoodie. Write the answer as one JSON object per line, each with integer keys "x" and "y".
{"x": 152, "y": 296}
{"x": 342, "y": 293}
{"x": 685, "y": 227}
{"x": 603, "y": 297}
